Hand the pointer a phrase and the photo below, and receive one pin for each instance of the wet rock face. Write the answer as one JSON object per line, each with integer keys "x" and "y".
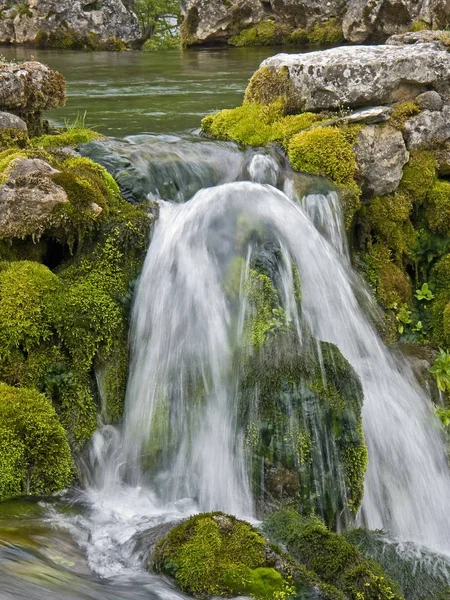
{"x": 105, "y": 18}
{"x": 363, "y": 75}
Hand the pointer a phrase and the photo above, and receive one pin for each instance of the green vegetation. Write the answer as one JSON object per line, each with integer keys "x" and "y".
{"x": 159, "y": 20}
{"x": 334, "y": 560}
{"x": 34, "y": 454}
{"x": 328, "y": 32}
{"x": 441, "y": 370}
{"x": 62, "y": 324}
{"x": 266, "y": 33}
{"x": 217, "y": 555}
{"x": 66, "y": 38}
{"x": 267, "y": 86}
{"x": 402, "y": 112}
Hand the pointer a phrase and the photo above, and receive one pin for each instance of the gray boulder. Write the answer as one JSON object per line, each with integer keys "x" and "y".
{"x": 429, "y": 101}
{"x": 427, "y": 36}
{"x": 357, "y": 76}
{"x": 375, "y": 20}
{"x": 381, "y": 155}
{"x": 428, "y": 128}
{"x": 106, "y": 19}
{"x": 30, "y": 87}
{"x": 27, "y": 198}
{"x": 9, "y": 121}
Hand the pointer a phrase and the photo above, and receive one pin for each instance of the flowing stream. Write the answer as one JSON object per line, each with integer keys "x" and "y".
{"x": 181, "y": 449}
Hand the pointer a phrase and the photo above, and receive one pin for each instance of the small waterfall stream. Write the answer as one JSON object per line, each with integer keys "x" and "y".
{"x": 181, "y": 448}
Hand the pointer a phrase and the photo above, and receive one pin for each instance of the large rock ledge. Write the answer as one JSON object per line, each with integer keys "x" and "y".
{"x": 359, "y": 76}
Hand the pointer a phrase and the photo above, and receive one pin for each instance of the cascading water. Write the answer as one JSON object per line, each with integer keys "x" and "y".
{"x": 183, "y": 337}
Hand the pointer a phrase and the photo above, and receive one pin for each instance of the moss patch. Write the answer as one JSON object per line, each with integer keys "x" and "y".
{"x": 68, "y": 139}
{"x": 34, "y": 453}
{"x": 217, "y": 555}
{"x": 66, "y": 38}
{"x": 402, "y": 112}
{"x": 266, "y": 33}
{"x": 267, "y": 86}
{"x": 331, "y": 557}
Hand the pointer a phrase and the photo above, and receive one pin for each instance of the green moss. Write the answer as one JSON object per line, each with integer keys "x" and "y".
{"x": 438, "y": 208}
{"x": 389, "y": 220}
{"x": 72, "y": 138}
{"x": 267, "y": 86}
{"x": 35, "y": 456}
{"x": 402, "y": 112}
{"x": 188, "y": 28}
{"x": 439, "y": 310}
{"x": 331, "y": 557}
{"x": 418, "y": 175}
{"x": 324, "y": 151}
{"x": 419, "y": 26}
{"x": 266, "y": 33}
{"x": 388, "y": 280}
{"x": 328, "y": 32}
{"x": 217, "y": 555}
{"x": 304, "y": 396}
{"x": 287, "y": 127}
{"x": 13, "y": 137}
{"x": 66, "y": 38}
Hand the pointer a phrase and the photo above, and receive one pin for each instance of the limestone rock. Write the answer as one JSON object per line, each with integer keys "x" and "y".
{"x": 27, "y": 198}
{"x": 381, "y": 155}
{"x": 9, "y": 121}
{"x": 108, "y": 18}
{"x": 428, "y": 128}
{"x": 375, "y": 20}
{"x": 216, "y": 20}
{"x": 429, "y": 101}
{"x": 30, "y": 87}
{"x": 369, "y": 116}
{"x": 357, "y": 76}
{"x": 427, "y": 36}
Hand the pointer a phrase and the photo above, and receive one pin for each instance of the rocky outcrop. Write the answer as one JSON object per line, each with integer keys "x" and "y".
{"x": 65, "y": 23}
{"x": 215, "y": 21}
{"x": 360, "y": 75}
{"x": 431, "y": 127}
{"x": 28, "y": 88}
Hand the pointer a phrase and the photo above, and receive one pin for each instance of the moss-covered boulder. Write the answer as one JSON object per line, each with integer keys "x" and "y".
{"x": 333, "y": 559}
{"x": 217, "y": 555}
{"x": 34, "y": 453}
{"x": 301, "y": 408}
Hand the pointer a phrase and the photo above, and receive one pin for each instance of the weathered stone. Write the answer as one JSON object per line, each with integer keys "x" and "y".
{"x": 106, "y": 19}
{"x": 381, "y": 155}
{"x": 215, "y": 20}
{"x": 369, "y": 116}
{"x": 429, "y": 128}
{"x": 27, "y": 198}
{"x": 9, "y": 121}
{"x": 443, "y": 160}
{"x": 357, "y": 76}
{"x": 427, "y": 36}
{"x": 30, "y": 87}
{"x": 429, "y": 101}
{"x": 378, "y": 19}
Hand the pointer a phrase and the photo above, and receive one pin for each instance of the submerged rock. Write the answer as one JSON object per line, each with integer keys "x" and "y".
{"x": 360, "y": 75}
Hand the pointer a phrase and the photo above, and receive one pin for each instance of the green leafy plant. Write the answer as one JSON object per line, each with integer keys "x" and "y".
{"x": 441, "y": 370}
{"x": 424, "y": 294}
{"x": 444, "y": 415}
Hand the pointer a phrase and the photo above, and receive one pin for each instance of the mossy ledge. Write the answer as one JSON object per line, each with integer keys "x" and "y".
{"x": 213, "y": 554}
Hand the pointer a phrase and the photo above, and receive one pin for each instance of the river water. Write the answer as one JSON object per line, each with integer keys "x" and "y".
{"x": 88, "y": 545}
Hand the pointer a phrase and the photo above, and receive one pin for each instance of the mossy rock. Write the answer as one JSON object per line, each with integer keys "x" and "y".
{"x": 290, "y": 410}
{"x": 214, "y": 554}
{"x": 266, "y": 33}
{"x": 437, "y": 208}
{"x": 333, "y": 559}
{"x": 35, "y": 457}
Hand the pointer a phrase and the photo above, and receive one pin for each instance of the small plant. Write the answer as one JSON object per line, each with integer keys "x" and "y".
{"x": 444, "y": 415}
{"x": 441, "y": 370}
{"x": 424, "y": 294}
{"x": 402, "y": 316}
